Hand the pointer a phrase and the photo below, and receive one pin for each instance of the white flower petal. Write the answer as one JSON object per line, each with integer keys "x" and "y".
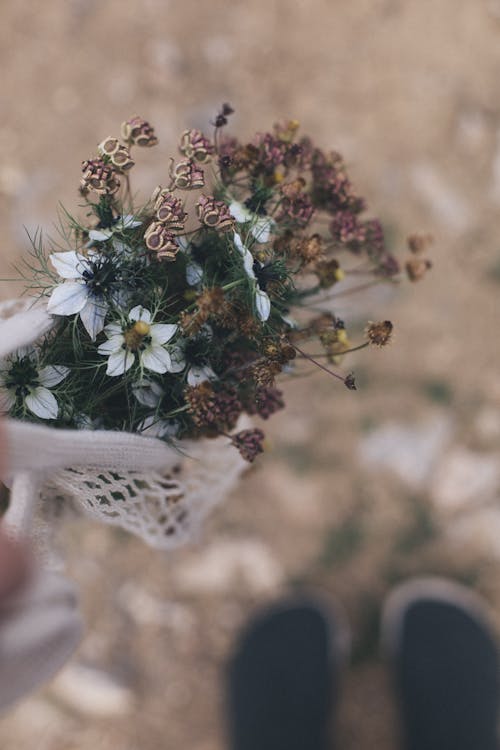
{"x": 261, "y": 230}
{"x": 183, "y": 242}
{"x": 177, "y": 363}
{"x": 148, "y": 392}
{"x": 197, "y": 375}
{"x": 162, "y": 332}
{"x": 239, "y": 243}
{"x": 68, "y": 298}
{"x": 52, "y": 375}
{"x": 113, "y": 344}
{"x": 239, "y": 212}
{"x": 129, "y": 222}
{"x": 7, "y": 401}
{"x": 194, "y": 273}
{"x": 42, "y": 403}
{"x": 67, "y": 264}
{"x": 100, "y": 235}
{"x": 121, "y": 248}
{"x": 93, "y": 316}
{"x": 113, "y": 329}
{"x": 262, "y": 304}
{"x": 156, "y": 359}
{"x": 248, "y": 261}
{"x": 140, "y": 313}
{"x": 119, "y": 362}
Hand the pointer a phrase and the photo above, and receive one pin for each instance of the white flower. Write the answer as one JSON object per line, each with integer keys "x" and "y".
{"x": 24, "y": 380}
{"x": 261, "y": 226}
{"x": 153, "y": 426}
{"x": 194, "y": 272}
{"x": 87, "y": 279}
{"x": 262, "y": 301}
{"x": 148, "y": 392}
{"x": 140, "y": 338}
{"x": 197, "y": 375}
{"x": 124, "y": 222}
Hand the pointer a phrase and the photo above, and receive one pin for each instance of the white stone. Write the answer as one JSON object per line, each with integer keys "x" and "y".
{"x": 465, "y": 478}
{"x": 91, "y": 691}
{"x": 409, "y": 451}
{"x": 231, "y": 562}
{"x": 146, "y": 609}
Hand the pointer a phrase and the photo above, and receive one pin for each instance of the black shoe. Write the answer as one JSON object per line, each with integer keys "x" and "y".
{"x": 282, "y": 681}
{"x": 445, "y": 666}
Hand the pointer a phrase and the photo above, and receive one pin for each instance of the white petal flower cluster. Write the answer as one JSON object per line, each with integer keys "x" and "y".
{"x": 22, "y": 378}
{"x": 262, "y": 301}
{"x": 83, "y": 289}
{"x": 139, "y": 339}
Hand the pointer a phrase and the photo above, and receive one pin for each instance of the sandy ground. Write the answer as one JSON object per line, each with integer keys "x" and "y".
{"x": 408, "y": 92}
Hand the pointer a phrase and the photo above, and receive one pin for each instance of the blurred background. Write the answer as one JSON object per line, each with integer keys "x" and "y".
{"x": 358, "y": 490}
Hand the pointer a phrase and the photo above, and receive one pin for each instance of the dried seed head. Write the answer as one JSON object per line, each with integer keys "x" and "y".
{"x": 416, "y": 268}
{"x": 161, "y": 240}
{"x": 419, "y": 243}
{"x": 379, "y": 334}
{"x": 214, "y": 214}
{"x": 138, "y": 131}
{"x": 99, "y": 177}
{"x": 169, "y": 210}
{"x": 187, "y": 176}
{"x": 350, "y": 382}
{"x": 310, "y": 250}
{"x": 108, "y": 146}
{"x": 194, "y": 145}
{"x": 121, "y": 158}
{"x": 329, "y": 273}
{"x": 249, "y": 443}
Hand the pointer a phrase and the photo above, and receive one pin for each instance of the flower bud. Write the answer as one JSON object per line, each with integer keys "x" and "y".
{"x": 194, "y": 145}
{"x": 214, "y": 214}
{"x": 162, "y": 241}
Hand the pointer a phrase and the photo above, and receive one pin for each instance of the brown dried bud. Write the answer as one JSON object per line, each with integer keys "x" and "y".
{"x": 162, "y": 241}
{"x": 285, "y": 130}
{"x": 416, "y": 268}
{"x": 98, "y": 176}
{"x": 379, "y": 334}
{"x": 139, "y": 132}
{"x": 214, "y": 214}
{"x": 249, "y": 443}
{"x": 194, "y": 145}
{"x": 329, "y": 273}
{"x": 418, "y": 243}
{"x": 311, "y": 249}
{"x": 210, "y": 301}
{"x": 350, "y": 382}
{"x": 264, "y": 372}
{"x": 187, "y": 176}
{"x": 169, "y": 210}
{"x": 293, "y": 189}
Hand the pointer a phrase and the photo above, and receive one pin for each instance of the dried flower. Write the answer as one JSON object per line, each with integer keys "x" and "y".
{"x": 416, "y": 268}
{"x": 138, "y": 131}
{"x": 379, "y": 334}
{"x": 108, "y": 146}
{"x": 187, "y": 176}
{"x": 162, "y": 241}
{"x": 222, "y": 116}
{"x": 264, "y": 372}
{"x": 267, "y": 401}
{"x": 169, "y": 209}
{"x": 419, "y": 243}
{"x": 311, "y": 249}
{"x": 249, "y": 443}
{"x": 210, "y": 408}
{"x": 214, "y": 214}
{"x": 99, "y": 177}
{"x": 350, "y": 382}
{"x": 194, "y": 145}
{"x": 329, "y": 273}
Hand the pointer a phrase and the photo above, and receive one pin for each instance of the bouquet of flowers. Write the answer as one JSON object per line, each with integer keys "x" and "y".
{"x": 172, "y": 318}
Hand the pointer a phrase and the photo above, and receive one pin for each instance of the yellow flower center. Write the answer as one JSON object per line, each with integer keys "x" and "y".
{"x": 136, "y": 334}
